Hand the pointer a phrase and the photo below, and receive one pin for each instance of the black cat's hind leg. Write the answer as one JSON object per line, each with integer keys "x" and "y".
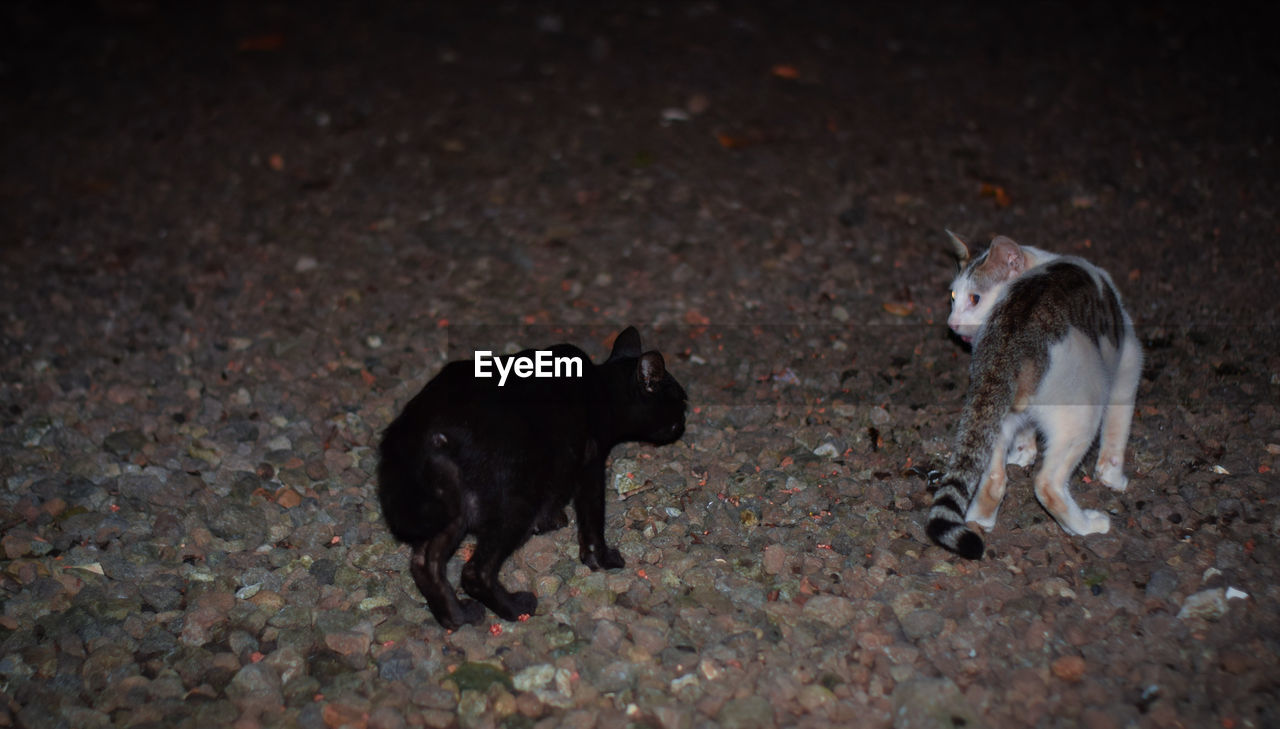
{"x": 427, "y": 564}
{"x": 480, "y": 574}
{"x": 588, "y": 502}
{"x": 550, "y": 521}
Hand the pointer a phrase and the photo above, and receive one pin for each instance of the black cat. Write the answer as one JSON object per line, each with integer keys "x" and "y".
{"x": 468, "y": 456}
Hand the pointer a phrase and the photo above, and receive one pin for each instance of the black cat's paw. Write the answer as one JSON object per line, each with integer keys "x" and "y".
{"x": 471, "y": 612}
{"x": 522, "y": 603}
{"x": 556, "y": 519}
{"x": 606, "y": 558}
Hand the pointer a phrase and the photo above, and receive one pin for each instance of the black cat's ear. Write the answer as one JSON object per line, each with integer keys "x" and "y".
{"x": 627, "y": 344}
{"x": 651, "y": 370}
{"x": 959, "y": 249}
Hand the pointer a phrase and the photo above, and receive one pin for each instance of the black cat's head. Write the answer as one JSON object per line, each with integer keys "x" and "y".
{"x": 648, "y": 403}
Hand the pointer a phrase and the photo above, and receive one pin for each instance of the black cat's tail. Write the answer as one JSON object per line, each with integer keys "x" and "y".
{"x": 411, "y": 503}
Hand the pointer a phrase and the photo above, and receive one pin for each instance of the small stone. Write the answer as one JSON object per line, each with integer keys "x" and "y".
{"x": 815, "y": 696}
{"x": 924, "y": 623}
{"x": 124, "y": 443}
{"x": 1068, "y": 668}
{"x": 386, "y": 717}
{"x": 1237, "y": 662}
{"x": 612, "y": 677}
{"x": 835, "y": 611}
{"x": 534, "y": 677}
{"x": 1161, "y": 583}
{"x": 1095, "y": 718}
{"x": 121, "y": 393}
{"x": 648, "y": 638}
{"x": 288, "y": 664}
{"x": 775, "y": 558}
{"x": 350, "y": 643}
{"x": 607, "y": 636}
{"x": 529, "y": 705}
{"x": 625, "y": 479}
{"x": 396, "y": 664}
{"x": 288, "y": 498}
{"x": 932, "y": 703}
{"x": 16, "y": 545}
{"x": 345, "y": 714}
{"x": 474, "y": 676}
{"x": 827, "y": 450}
{"x": 1206, "y": 604}
{"x": 752, "y": 712}
{"x": 255, "y": 686}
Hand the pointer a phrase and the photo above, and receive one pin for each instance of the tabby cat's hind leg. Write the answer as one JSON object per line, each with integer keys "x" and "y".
{"x": 1119, "y": 416}
{"x": 1068, "y": 434}
{"x": 986, "y": 501}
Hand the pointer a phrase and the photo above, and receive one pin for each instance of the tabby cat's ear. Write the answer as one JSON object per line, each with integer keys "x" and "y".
{"x": 651, "y": 370}
{"x": 1007, "y": 256}
{"x": 959, "y": 249}
{"x": 627, "y": 344}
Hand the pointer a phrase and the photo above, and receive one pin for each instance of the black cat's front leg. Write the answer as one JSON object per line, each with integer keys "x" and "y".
{"x": 427, "y": 564}
{"x": 593, "y": 550}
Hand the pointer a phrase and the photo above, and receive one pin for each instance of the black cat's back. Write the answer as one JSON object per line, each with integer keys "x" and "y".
{"x": 462, "y": 438}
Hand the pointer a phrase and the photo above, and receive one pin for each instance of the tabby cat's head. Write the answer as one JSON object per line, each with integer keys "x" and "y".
{"x": 980, "y": 282}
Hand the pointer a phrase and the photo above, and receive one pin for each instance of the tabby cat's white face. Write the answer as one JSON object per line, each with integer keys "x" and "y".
{"x": 980, "y": 284}
{"x": 971, "y": 304}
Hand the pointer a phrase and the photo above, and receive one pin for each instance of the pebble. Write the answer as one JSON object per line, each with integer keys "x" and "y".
{"x": 922, "y": 624}
{"x": 751, "y": 712}
{"x": 1069, "y": 668}
{"x": 1207, "y": 604}
{"x": 832, "y": 610}
{"x": 1162, "y": 582}
{"x": 932, "y": 703}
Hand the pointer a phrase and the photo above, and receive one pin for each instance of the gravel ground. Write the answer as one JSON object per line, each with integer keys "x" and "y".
{"x": 235, "y": 242}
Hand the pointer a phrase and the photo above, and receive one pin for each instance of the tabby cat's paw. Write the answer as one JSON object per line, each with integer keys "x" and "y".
{"x": 1022, "y": 451}
{"x": 1110, "y": 472}
{"x": 987, "y": 522}
{"x": 1094, "y": 522}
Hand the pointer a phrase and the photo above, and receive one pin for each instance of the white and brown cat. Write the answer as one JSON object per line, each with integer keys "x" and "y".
{"x": 1053, "y": 351}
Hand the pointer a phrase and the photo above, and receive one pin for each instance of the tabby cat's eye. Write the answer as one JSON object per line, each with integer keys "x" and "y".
{"x": 973, "y": 299}
{"x": 953, "y": 296}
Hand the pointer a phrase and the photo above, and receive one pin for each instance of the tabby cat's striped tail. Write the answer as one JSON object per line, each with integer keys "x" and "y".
{"x": 991, "y": 398}
{"x": 946, "y": 520}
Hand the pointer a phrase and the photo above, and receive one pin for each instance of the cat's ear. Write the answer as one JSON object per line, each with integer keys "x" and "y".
{"x": 1008, "y": 255}
{"x": 651, "y": 370}
{"x": 626, "y": 344}
{"x": 959, "y": 249}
